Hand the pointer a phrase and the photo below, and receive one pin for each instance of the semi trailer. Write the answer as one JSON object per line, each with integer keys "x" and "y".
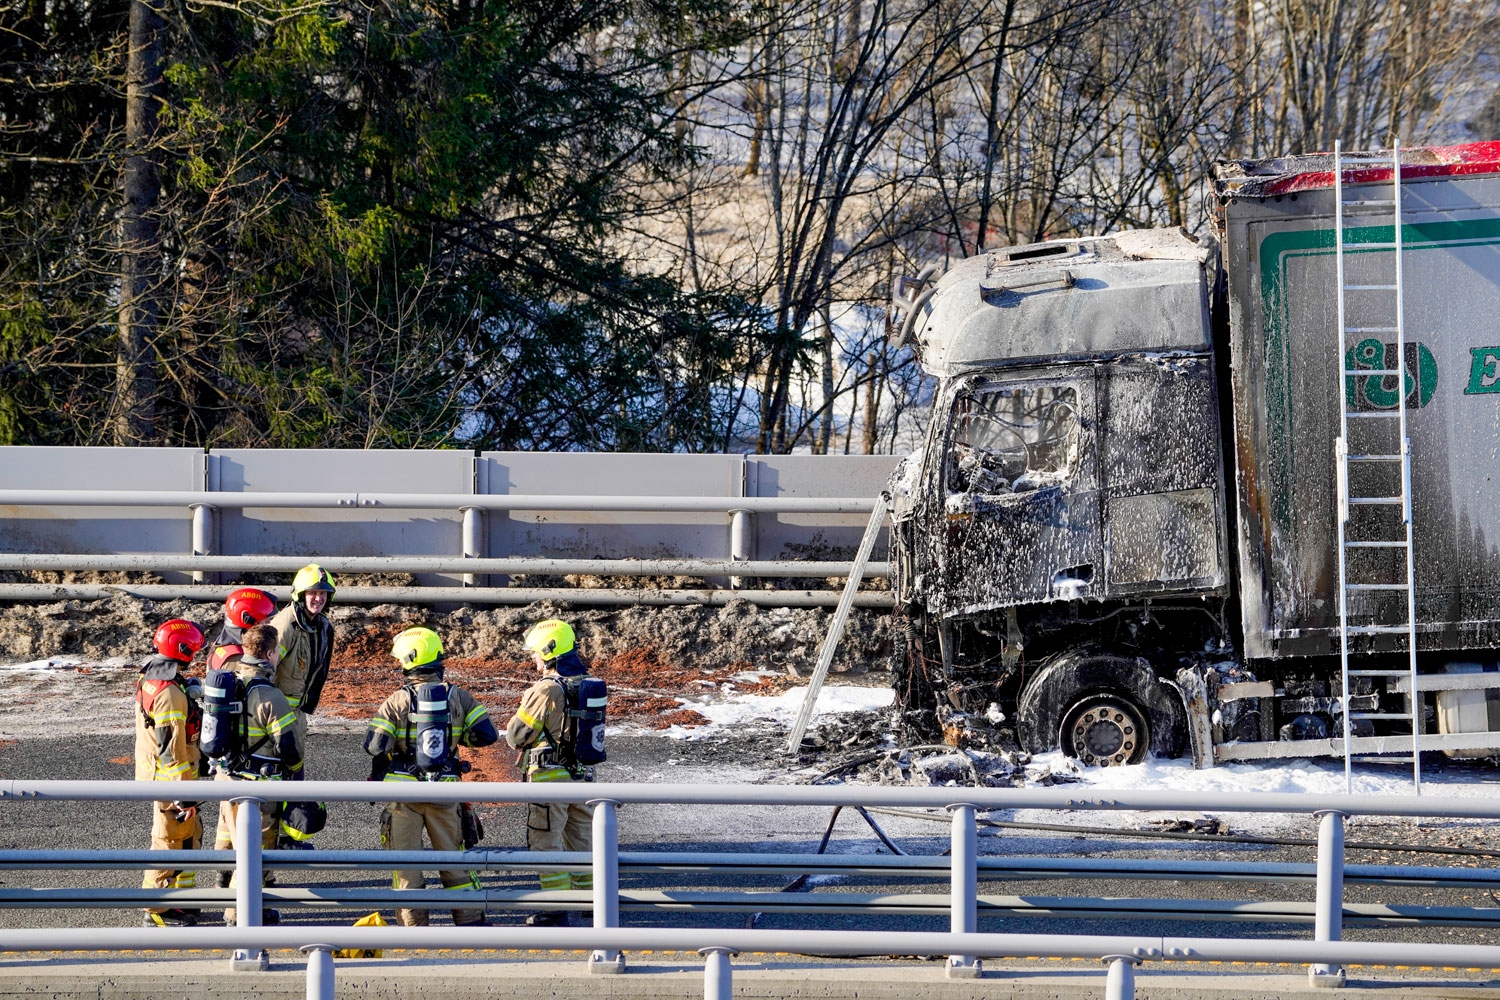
{"x": 1231, "y": 495}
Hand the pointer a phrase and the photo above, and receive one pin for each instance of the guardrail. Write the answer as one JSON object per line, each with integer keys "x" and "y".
{"x": 472, "y": 564}
{"x": 440, "y": 501}
{"x": 963, "y": 945}
{"x": 1122, "y": 954}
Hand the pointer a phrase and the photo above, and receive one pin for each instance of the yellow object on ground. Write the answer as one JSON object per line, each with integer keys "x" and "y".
{"x": 369, "y": 920}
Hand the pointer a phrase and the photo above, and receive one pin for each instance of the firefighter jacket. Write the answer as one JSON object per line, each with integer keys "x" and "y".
{"x": 167, "y": 721}
{"x": 391, "y": 736}
{"x": 273, "y": 743}
{"x": 540, "y": 725}
{"x": 306, "y": 644}
{"x": 226, "y": 648}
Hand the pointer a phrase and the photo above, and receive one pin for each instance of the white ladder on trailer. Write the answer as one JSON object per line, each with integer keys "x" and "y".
{"x": 1382, "y": 298}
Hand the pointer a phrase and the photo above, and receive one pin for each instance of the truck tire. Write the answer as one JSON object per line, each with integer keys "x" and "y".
{"x": 1100, "y": 709}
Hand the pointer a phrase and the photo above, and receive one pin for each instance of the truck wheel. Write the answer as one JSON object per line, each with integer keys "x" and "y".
{"x": 1106, "y": 729}
{"x": 1101, "y": 709}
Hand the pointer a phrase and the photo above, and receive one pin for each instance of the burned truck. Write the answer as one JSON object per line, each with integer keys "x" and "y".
{"x": 1122, "y": 532}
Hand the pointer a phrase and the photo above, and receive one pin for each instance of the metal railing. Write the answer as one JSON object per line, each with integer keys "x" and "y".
{"x": 471, "y": 563}
{"x": 606, "y": 940}
{"x": 440, "y": 501}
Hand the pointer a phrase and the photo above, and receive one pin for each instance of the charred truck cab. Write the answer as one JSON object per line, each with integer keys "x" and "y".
{"x": 1122, "y": 532}
{"x": 1060, "y": 542}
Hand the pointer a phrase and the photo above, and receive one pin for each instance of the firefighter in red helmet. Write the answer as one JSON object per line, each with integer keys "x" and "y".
{"x": 167, "y": 721}
{"x": 243, "y": 609}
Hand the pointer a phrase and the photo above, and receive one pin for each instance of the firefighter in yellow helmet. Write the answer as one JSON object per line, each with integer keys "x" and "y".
{"x": 415, "y": 736}
{"x": 305, "y": 640}
{"x": 541, "y": 729}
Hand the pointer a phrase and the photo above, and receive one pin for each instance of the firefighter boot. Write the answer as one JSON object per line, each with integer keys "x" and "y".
{"x": 170, "y": 918}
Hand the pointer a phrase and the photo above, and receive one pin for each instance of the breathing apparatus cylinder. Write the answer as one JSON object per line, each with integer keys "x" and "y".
{"x": 223, "y": 708}
{"x": 590, "y": 700}
{"x": 431, "y": 718}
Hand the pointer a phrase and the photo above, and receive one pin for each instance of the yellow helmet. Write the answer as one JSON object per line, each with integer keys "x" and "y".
{"x": 552, "y": 638}
{"x": 417, "y": 648}
{"x": 312, "y": 577}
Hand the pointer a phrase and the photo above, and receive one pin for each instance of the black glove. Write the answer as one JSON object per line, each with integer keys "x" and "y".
{"x": 470, "y": 825}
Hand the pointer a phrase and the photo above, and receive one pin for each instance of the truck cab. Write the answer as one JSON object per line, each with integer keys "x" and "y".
{"x": 1060, "y": 542}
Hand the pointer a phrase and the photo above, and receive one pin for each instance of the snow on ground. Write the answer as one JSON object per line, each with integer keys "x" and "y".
{"x": 1307, "y": 777}
{"x": 95, "y": 696}
{"x": 730, "y": 710}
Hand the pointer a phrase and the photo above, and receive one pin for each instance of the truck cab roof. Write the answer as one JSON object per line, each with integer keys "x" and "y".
{"x": 1076, "y": 299}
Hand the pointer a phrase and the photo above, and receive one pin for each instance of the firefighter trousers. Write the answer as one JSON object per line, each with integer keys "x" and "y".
{"x": 270, "y": 818}
{"x": 559, "y": 826}
{"x": 168, "y": 833}
{"x": 401, "y": 827}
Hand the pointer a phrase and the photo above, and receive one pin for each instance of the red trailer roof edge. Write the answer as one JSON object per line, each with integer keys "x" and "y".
{"x": 1464, "y": 159}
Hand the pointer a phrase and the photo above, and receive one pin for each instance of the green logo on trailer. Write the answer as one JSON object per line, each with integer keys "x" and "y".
{"x": 1378, "y": 392}
{"x": 1484, "y": 370}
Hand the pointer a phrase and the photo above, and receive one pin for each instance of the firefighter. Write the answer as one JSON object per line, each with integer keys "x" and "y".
{"x": 167, "y": 722}
{"x": 415, "y": 736}
{"x": 243, "y": 609}
{"x": 271, "y": 746}
{"x": 305, "y": 643}
{"x": 540, "y": 729}
{"x": 305, "y": 637}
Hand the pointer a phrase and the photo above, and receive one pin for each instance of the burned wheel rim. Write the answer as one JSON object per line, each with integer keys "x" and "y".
{"x": 1106, "y": 730}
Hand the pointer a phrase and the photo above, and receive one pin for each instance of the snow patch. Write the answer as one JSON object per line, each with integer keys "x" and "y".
{"x": 1303, "y": 777}
{"x": 56, "y": 663}
{"x": 745, "y": 709}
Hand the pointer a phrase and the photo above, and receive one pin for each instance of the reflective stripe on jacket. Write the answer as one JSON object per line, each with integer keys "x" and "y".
{"x": 391, "y": 731}
{"x": 166, "y": 731}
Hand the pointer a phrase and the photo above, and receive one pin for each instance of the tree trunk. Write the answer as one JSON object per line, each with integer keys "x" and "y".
{"x": 872, "y": 407}
{"x": 1240, "y": 66}
{"x": 140, "y": 246}
{"x": 825, "y": 424}
{"x": 991, "y": 134}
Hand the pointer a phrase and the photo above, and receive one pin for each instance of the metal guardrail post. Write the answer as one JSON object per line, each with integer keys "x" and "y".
{"x": 319, "y": 971}
{"x": 718, "y": 973}
{"x": 606, "y": 883}
{"x": 473, "y": 542}
{"x": 203, "y": 538}
{"x": 247, "y": 876}
{"x": 741, "y": 541}
{"x": 1120, "y": 983}
{"x": 1329, "y": 911}
{"x": 964, "y": 918}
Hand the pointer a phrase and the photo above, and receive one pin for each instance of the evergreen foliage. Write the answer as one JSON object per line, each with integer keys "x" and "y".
{"x": 383, "y": 225}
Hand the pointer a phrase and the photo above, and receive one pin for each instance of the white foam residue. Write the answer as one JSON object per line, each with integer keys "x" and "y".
{"x": 908, "y": 473}
{"x": 42, "y": 666}
{"x": 1303, "y": 777}
{"x": 741, "y": 709}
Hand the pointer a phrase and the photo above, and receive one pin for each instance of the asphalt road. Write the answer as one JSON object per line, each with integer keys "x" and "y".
{"x": 744, "y": 757}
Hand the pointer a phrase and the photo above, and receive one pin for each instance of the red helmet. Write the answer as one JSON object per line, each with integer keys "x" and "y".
{"x": 178, "y": 639}
{"x": 248, "y": 607}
